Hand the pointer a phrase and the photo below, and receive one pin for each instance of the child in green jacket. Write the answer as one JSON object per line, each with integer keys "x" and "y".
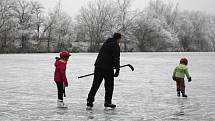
{"x": 178, "y": 75}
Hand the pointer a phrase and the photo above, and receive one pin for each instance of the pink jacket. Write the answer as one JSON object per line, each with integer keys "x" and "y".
{"x": 60, "y": 71}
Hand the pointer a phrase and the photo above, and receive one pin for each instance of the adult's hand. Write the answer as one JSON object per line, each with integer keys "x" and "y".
{"x": 116, "y": 74}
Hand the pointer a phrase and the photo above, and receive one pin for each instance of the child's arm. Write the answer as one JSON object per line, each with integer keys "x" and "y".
{"x": 63, "y": 74}
{"x": 173, "y": 76}
{"x": 188, "y": 75}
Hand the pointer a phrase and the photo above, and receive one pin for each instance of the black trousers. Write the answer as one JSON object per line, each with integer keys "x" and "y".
{"x": 60, "y": 90}
{"x": 99, "y": 75}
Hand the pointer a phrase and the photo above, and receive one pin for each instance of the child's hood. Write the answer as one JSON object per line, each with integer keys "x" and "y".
{"x": 181, "y": 66}
{"x": 59, "y": 62}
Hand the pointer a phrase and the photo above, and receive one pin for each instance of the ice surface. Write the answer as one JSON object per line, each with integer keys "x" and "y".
{"x": 28, "y": 92}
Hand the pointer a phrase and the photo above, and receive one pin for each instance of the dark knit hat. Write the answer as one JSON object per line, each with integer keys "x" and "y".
{"x": 117, "y": 36}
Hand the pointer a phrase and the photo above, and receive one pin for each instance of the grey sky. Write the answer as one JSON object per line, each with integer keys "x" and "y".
{"x": 72, "y": 6}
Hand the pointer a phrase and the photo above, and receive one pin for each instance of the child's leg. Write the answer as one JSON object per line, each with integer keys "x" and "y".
{"x": 178, "y": 87}
{"x": 182, "y": 86}
{"x": 60, "y": 89}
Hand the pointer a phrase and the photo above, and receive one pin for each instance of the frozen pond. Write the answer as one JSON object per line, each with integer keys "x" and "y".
{"x": 28, "y": 92}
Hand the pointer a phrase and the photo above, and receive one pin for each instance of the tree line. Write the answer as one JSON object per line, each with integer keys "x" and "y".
{"x": 25, "y": 27}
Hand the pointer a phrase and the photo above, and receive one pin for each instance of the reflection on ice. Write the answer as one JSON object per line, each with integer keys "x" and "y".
{"x": 181, "y": 106}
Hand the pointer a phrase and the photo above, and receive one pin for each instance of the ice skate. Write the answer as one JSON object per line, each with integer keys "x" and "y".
{"x": 183, "y": 94}
{"x": 109, "y": 106}
{"x": 89, "y": 105}
{"x": 178, "y": 93}
{"x": 61, "y": 104}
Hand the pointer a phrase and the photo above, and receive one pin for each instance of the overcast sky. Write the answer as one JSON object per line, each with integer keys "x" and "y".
{"x": 72, "y": 6}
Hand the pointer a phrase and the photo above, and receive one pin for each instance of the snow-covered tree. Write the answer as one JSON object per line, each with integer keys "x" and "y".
{"x": 194, "y": 30}
{"x": 152, "y": 35}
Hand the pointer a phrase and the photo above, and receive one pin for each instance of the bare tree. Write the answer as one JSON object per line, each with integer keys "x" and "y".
{"x": 124, "y": 20}
{"x": 141, "y": 29}
{"x": 49, "y": 26}
{"x": 96, "y": 19}
{"x": 6, "y": 24}
{"x": 37, "y": 19}
{"x": 5, "y": 12}
{"x": 61, "y": 30}
{"x": 212, "y": 31}
{"x": 48, "y": 29}
{"x": 64, "y": 31}
{"x": 22, "y": 13}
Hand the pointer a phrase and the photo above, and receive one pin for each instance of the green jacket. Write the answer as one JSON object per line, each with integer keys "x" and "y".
{"x": 180, "y": 71}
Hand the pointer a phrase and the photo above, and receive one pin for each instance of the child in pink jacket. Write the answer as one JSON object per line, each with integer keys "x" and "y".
{"x": 60, "y": 76}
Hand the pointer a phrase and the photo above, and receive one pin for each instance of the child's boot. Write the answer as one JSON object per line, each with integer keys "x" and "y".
{"x": 178, "y": 93}
{"x": 183, "y": 94}
{"x": 61, "y": 104}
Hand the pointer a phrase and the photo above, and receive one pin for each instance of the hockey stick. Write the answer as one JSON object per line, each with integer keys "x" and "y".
{"x": 64, "y": 91}
{"x": 129, "y": 65}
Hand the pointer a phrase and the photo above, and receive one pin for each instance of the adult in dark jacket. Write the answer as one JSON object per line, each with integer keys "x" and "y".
{"x": 107, "y": 59}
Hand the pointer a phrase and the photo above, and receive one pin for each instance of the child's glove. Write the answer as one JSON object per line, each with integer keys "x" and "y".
{"x": 189, "y": 79}
{"x": 173, "y": 78}
{"x": 65, "y": 84}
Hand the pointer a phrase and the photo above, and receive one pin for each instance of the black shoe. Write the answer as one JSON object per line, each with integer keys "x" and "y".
{"x": 109, "y": 105}
{"x": 178, "y": 94}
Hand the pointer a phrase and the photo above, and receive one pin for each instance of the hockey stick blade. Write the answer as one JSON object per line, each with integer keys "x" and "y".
{"x": 129, "y": 65}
